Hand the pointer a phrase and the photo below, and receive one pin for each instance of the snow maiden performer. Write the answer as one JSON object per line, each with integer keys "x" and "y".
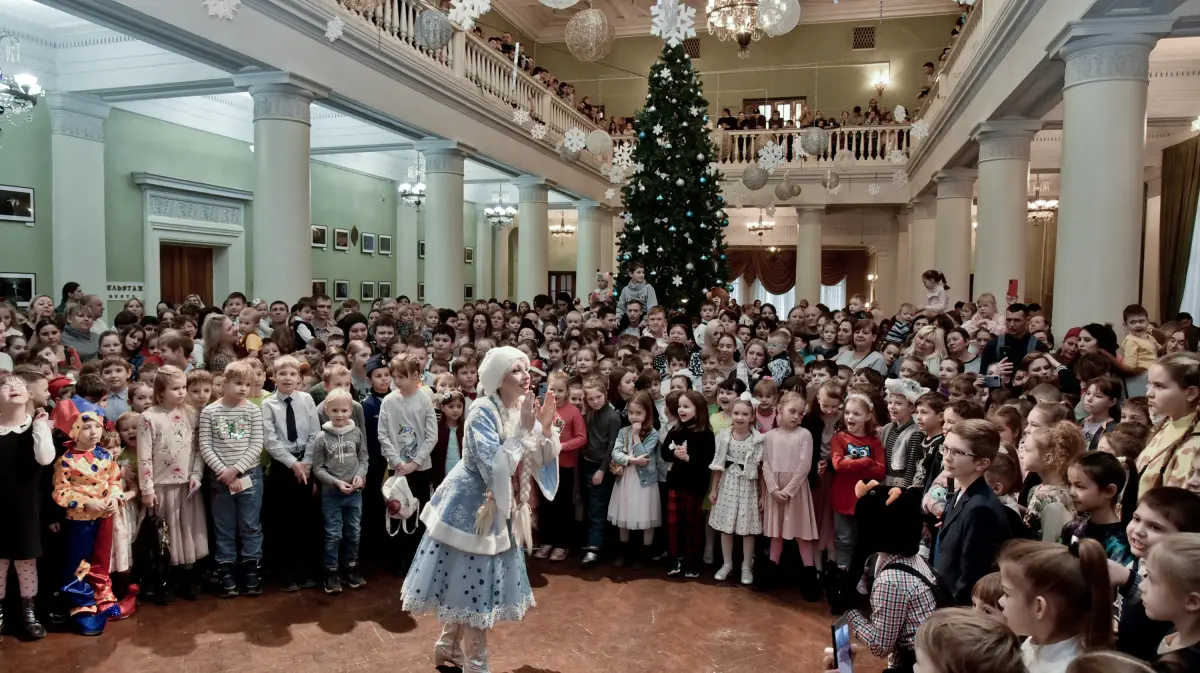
{"x": 478, "y": 520}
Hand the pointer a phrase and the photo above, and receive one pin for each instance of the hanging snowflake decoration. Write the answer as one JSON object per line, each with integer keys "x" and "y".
{"x": 673, "y": 21}
{"x": 616, "y": 174}
{"x": 521, "y": 116}
{"x": 464, "y": 12}
{"x": 575, "y": 140}
{"x": 770, "y": 211}
{"x": 677, "y": 280}
{"x": 665, "y": 74}
{"x": 919, "y": 130}
{"x": 900, "y": 114}
{"x": 539, "y": 131}
{"x": 695, "y": 111}
{"x": 623, "y": 156}
{"x": 873, "y": 189}
{"x": 637, "y": 166}
{"x": 770, "y": 157}
{"x": 610, "y": 194}
{"x": 897, "y": 158}
{"x": 222, "y": 9}
{"x": 334, "y": 29}
{"x": 643, "y": 249}
{"x": 900, "y": 178}
{"x": 657, "y": 130}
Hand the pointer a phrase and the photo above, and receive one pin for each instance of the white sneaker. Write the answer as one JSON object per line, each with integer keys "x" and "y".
{"x": 708, "y": 557}
{"x": 747, "y": 575}
{"x": 723, "y": 573}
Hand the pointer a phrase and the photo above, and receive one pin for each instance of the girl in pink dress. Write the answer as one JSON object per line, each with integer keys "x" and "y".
{"x": 787, "y": 499}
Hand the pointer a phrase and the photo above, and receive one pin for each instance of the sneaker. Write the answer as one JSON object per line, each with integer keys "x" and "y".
{"x": 543, "y": 551}
{"x": 289, "y": 585}
{"x": 708, "y": 557}
{"x": 251, "y": 577}
{"x": 308, "y": 582}
{"x": 691, "y": 573}
{"x": 558, "y": 555}
{"x": 354, "y": 578}
{"x": 226, "y": 583}
{"x": 659, "y": 556}
{"x": 590, "y": 559}
{"x": 675, "y": 569}
{"x": 333, "y": 583}
{"x": 723, "y": 573}
{"x": 747, "y": 576}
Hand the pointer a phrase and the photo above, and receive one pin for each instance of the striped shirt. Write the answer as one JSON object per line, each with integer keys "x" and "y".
{"x": 231, "y": 436}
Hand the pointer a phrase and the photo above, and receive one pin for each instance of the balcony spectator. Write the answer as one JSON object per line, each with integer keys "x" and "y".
{"x": 727, "y": 121}
{"x": 775, "y": 122}
{"x": 494, "y": 43}
{"x": 857, "y": 118}
{"x": 629, "y": 126}
{"x": 930, "y": 73}
{"x": 845, "y": 118}
{"x": 806, "y": 119}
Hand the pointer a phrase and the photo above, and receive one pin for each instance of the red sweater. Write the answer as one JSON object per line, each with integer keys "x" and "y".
{"x": 574, "y": 434}
{"x": 850, "y": 470}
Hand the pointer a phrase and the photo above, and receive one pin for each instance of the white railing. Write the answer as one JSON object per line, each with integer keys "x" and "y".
{"x": 398, "y": 18}
{"x": 962, "y": 52}
{"x": 869, "y": 145}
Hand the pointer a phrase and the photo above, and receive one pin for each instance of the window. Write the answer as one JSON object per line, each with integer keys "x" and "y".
{"x": 790, "y": 109}
{"x": 833, "y": 296}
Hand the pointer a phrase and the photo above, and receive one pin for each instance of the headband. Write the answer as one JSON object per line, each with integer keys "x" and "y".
{"x": 859, "y": 396}
{"x": 746, "y": 396}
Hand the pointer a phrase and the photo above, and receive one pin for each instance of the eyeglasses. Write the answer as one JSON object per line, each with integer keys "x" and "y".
{"x": 957, "y": 453}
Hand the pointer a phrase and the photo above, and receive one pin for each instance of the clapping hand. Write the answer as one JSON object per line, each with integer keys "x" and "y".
{"x": 681, "y": 451}
{"x": 542, "y": 413}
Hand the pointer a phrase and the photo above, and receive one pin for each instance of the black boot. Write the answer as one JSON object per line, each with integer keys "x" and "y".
{"x": 810, "y": 589}
{"x": 833, "y": 589}
{"x": 637, "y": 555}
{"x": 766, "y": 575}
{"x": 29, "y": 622}
{"x": 250, "y": 577}
{"x": 622, "y": 554}
{"x": 189, "y": 584}
{"x": 226, "y": 583}
{"x": 164, "y": 593}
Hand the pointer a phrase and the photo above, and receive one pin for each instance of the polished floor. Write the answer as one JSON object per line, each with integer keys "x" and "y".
{"x": 601, "y": 620}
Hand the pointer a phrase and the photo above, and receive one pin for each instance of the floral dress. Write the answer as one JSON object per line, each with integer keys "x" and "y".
{"x": 467, "y": 569}
{"x": 1050, "y": 509}
{"x": 736, "y": 510}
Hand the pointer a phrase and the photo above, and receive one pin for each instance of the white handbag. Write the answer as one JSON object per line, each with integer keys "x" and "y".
{"x": 406, "y": 505}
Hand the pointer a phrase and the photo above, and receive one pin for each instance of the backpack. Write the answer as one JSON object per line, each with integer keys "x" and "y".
{"x": 942, "y": 595}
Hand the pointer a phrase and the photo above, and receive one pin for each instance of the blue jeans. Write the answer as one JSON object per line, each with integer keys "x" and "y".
{"x": 343, "y": 519}
{"x": 236, "y": 515}
{"x": 597, "y": 502}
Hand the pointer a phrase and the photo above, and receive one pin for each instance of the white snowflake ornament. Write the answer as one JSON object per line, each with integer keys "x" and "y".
{"x": 637, "y": 167}
{"x": 695, "y": 111}
{"x": 770, "y": 157}
{"x": 539, "y": 131}
{"x": 643, "y": 249}
{"x": 900, "y": 178}
{"x": 657, "y": 130}
{"x": 575, "y": 140}
{"x": 919, "y": 130}
{"x": 897, "y": 158}
{"x": 873, "y": 189}
{"x": 623, "y": 156}
{"x": 900, "y": 114}
{"x": 222, "y": 9}
{"x": 677, "y": 281}
{"x": 334, "y": 29}
{"x": 464, "y": 12}
{"x": 610, "y": 194}
{"x": 521, "y": 116}
{"x": 673, "y": 21}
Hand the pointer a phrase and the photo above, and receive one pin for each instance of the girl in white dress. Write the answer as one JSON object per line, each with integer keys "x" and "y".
{"x": 635, "y": 504}
{"x": 735, "y": 489}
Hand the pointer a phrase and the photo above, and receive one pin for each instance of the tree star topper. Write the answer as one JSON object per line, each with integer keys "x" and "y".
{"x": 673, "y": 21}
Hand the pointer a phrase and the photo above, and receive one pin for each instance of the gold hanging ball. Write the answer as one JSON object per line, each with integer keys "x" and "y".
{"x": 589, "y": 35}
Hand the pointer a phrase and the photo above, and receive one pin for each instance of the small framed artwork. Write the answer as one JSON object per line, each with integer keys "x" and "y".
{"x": 341, "y": 239}
{"x": 320, "y": 287}
{"x": 18, "y": 288}
{"x": 421, "y": 292}
{"x": 367, "y": 292}
{"x": 368, "y": 244}
{"x": 16, "y": 204}
{"x": 385, "y": 289}
{"x": 341, "y": 290}
{"x": 468, "y": 292}
{"x": 320, "y": 236}
{"x": 385, "y": 245}
{"x": 468, "y": 255}
{"x": 421, "y": 249}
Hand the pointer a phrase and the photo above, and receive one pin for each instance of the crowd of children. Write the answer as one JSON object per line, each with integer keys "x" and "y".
{"x": 1051, "y": 485}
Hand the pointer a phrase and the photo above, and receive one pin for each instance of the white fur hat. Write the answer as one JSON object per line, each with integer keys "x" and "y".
{"x": 910, "y": 389}
{"x": 496, "y": 364}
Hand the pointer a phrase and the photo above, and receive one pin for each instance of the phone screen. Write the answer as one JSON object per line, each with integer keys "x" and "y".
{"x": 841, "y": 646}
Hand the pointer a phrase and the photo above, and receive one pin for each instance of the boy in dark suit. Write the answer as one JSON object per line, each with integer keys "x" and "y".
{"x": 975, "y": 524}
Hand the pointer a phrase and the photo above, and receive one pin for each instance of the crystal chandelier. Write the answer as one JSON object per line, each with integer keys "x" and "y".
{"x": 413, "y": 193}
{"x": 760, "y": 226}
{"x": 738, "y": 20}
{"x": 562, "y": 231}
{"x": 18, "y": 93}
{"x": 499, "y": 215}
{"x": 1039, "y": 208}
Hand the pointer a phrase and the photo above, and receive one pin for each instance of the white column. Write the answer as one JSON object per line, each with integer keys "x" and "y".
{"x": 588, "y": 239}
{"x": 443, "y": 221}
{"x": 532, "y": 245}
{"x": 484, "y": 241}
{"x": 922, "y": 239}
{"x": 282, "y": 209}
{"x": 952, "y": 248}
{"x": 1003, "y": 204}
{"x": 885, "y": 280}
{"x": 77, "y": 230}
{"x": 809, "y": 222}
{"x": 502, "y": 263}
{"x": 903, "y": 278}
{"x": 1104, "y": 138}
{"x": 608, "y": 248}
{"x": 406, "y": 250}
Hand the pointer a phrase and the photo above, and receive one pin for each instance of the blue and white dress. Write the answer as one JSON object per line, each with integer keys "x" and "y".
{"x": 470, "y": 578}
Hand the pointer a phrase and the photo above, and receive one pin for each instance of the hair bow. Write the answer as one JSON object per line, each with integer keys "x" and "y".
{"x": 749, "y": 398}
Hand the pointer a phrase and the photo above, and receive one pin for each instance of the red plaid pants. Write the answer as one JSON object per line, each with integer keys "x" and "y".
{"x": 685, "y": 525}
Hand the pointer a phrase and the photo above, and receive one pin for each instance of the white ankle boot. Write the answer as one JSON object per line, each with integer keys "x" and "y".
{"x": 448, "y": 649}
{"x": 475, "y": 649}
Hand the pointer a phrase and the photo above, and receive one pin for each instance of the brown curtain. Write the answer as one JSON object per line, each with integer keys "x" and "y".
{"x": 1180, "y": 189}
{"x": 776, "y": 270}
{"x": 834, "y": 265}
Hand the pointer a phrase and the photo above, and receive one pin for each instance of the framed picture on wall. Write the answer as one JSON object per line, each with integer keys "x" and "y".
{"x": 468, "y": 293}
{"x": 368, "y": 244}
{"x": 319, "y": 287}
{"x": 320, "y": 236}
{"x": 16, "y": 204}
{"x": 341, "y": 290}
{"x": 385, "y": 289}
{"x": 385, "y": 245}
{"x": 468, "y": 255}
{"x": 368, "y": 291}
{"x": 18, "y": 288}
{"x": 341, "y": 239}
{"x": 421, "y": 249}
{"x": 421, "y": 292}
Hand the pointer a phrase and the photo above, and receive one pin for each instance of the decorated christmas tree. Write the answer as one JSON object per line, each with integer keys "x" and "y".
{"x": 674, "y": 219}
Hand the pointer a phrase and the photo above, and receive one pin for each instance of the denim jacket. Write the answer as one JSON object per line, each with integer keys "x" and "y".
{"x": 655, "y": 471}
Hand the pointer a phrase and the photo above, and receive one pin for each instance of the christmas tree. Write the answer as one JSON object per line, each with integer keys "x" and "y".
{"x": 674, "y": 219}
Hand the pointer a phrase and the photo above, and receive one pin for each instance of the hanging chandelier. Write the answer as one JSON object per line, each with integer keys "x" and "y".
{"x": 562, "y": 231}
{"x": 1039, "y": 208}
{"x": 499, "y": 215}
{"x": 413, "y": 193}
{"x": 760, "y": 226}
{"x": 18, "y": 93}
{"x": 738, "y": 20}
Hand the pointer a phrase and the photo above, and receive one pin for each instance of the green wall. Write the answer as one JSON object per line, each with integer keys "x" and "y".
{"x": 25, "y": 162}
{"x": 344, "y": 199}
{"x": 815, "y": 61}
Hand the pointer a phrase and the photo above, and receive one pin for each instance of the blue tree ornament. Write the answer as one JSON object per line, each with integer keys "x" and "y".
{"x": 703, "y": 179}
{"x": 689, "y": 213}
{"x": 671, "y": 228}
{"x": 641, "y": 134}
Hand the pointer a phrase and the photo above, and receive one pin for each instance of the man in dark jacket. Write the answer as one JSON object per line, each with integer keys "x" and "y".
{"x": 1013, "y": 345}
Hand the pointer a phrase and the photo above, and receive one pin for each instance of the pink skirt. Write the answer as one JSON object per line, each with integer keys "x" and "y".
{"x": 823, "y": 511}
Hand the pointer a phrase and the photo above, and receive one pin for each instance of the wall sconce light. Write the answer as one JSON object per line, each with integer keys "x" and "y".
{"x": 882, "y": 83}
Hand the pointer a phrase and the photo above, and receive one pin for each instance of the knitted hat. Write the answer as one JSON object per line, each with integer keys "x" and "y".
{"x": 495, "y": 366}
{"x": 1073, "y": 332}
{"x": 910, "y": 389}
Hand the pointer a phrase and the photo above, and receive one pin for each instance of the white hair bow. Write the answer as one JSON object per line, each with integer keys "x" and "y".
{"x": 750, "y": 398}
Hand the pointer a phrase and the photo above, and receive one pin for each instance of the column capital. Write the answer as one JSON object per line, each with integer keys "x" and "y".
{"x": 956, "y": 183}
{"x": 1005, "y": 139}
{"x": 924, "y": 208}
{"x": 810, "y": 215}
{"x": 1098, "y": 50}
{"x": 280, "y": 96}
{"x": 78, "y": 115}
{"x": 443, "y": 156}
{"x": 587, "y": 204}
{"x": 532, "y": 189}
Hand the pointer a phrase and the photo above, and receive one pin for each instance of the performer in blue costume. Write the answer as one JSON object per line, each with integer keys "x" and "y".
{"x": 470, "y": 565}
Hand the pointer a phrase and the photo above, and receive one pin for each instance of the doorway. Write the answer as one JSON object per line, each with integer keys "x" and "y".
{"x": 561, "y": 281}
{"x": 184, "y": 270}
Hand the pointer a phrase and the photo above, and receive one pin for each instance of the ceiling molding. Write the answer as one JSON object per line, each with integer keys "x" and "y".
{"x": 207, "y": 88}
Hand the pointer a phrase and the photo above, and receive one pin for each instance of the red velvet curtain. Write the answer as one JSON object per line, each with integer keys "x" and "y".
{"x": 835, "y": 264}
{"x": 777, "y": 270}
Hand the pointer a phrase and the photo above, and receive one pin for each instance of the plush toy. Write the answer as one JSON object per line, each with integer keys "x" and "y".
{"x": 889, "y": 520}
{"x": 720, "y": 297}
